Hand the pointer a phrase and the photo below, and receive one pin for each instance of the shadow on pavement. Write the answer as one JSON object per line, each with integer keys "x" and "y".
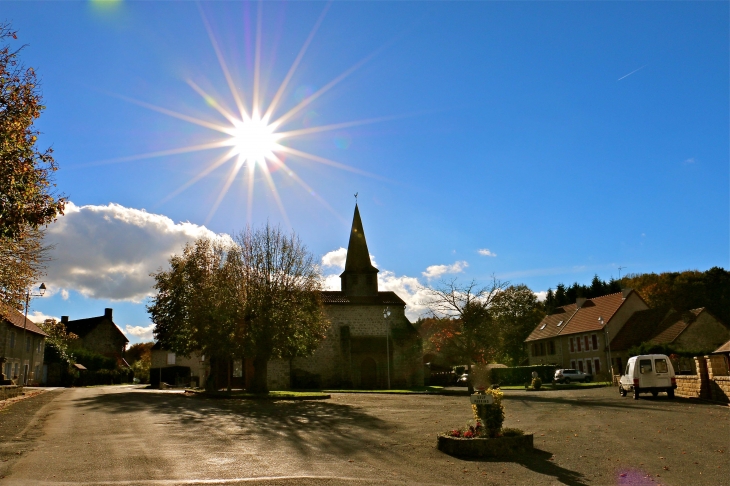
{"x": 311, "y": 427}
{"x": 627, "y": 403}
{"x": 539, "y": 462}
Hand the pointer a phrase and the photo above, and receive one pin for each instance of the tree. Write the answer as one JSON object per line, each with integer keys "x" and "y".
{"x": 139, "y": 357}
{"x": 258, "y": 298}
{"x": 27, "y": 202}
{"x": 58, "y": 338}
{"x": 464, "y": 327}
{"x": 26, "y": 199}
{"x": 516, "y": 312}
{"x": 194, "y": 308}
{"x": 279, "y": 295}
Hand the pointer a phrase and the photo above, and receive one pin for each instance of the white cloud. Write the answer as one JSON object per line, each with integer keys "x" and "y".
{"x": 143, "y": 334}
{"x": 64, "y": 294}
{"x": 39, "y": 317}
{"x": 486, "y": 252}
{"x": 335, "y": 258}
{"x": 435, "y": 271}
{"x": 541, "y": 295}
{"x": 108, "y": 252}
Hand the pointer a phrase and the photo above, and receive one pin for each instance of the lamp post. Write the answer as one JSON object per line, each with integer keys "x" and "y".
{"x": 608, "y": 345}
{"x": 386, "y": 317}
{"x": 28, "y": 295}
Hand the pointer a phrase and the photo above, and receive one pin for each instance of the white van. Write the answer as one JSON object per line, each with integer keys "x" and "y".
{"x": 648, "y": 373}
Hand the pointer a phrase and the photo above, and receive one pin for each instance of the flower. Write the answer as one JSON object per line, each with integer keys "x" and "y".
{"x": 468, "y": 434}
{"x": 455, "y": 433}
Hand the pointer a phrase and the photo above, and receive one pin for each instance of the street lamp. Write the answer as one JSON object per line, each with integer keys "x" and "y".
{"x": 386, "y": 317}
{"x": 28, "y": 295}
{"x": 608, "y": 345}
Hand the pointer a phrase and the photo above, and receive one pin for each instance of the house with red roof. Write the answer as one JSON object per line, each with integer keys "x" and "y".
{"x": 21, "y": 348}
{"x": 576, "y": 335}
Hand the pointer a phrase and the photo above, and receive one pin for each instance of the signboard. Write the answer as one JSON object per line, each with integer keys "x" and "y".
{"x": 478, "y": 399}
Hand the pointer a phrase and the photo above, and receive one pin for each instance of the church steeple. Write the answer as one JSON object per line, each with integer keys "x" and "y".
{"x": 360, "y": 276}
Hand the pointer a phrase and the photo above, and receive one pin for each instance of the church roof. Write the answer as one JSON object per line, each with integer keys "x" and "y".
{"x": 358, "y": 256}
{"x": 335, "y": 297}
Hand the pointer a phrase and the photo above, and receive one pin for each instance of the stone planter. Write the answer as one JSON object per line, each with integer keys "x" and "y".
{"x": 502, "y": 447}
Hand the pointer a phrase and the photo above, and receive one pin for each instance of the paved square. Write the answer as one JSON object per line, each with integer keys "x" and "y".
{"x": 123, "y": 435}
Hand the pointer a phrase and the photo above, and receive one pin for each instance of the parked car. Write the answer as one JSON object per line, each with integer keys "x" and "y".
{"x": 569, "y": 375}
{"x": 648, "y": 373}
{"x": 463, "y": 380}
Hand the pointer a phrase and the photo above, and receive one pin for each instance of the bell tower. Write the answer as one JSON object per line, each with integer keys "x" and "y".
{"x": 360, "y": 277}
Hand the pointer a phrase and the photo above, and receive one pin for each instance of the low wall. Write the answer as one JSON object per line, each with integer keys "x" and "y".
{"x": 689, "y": 386}
{"x": 10, "y": 391}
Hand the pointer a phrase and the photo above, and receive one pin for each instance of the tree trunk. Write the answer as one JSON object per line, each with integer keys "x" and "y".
{"x": 259, "y": 384}
{"x": 229, "y": 375}
{"x": 470, "y": 381}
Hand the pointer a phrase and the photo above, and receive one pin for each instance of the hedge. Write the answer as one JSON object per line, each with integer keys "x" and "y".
{"x": 519, "y": 375}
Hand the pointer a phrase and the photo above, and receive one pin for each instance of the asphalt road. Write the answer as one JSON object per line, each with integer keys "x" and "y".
{"x": 128, "y": 436}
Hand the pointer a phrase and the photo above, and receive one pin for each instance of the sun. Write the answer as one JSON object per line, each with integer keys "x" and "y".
{"x": 254, "y": 141}
{"x": 255, "y": 132}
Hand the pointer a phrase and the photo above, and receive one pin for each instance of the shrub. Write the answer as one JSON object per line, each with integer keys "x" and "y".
{"x": 491, "y": 416}
{"x": 536, "y": 383}
{"x": 511, "y": 432}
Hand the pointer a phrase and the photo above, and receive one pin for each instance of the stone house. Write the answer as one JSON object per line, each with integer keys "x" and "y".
{"x": 99, "y": 335}
{"x": 175, "y": 369}
{"x": 22, "y": 345}
{"x": 575, "y": 335}
{"x": 693, "y": 330}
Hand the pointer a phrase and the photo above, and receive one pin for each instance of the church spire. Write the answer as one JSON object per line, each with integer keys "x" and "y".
{"x": 359, "y": 277}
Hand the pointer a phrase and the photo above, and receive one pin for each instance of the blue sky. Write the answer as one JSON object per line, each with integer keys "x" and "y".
{"x": 566, "y": 138}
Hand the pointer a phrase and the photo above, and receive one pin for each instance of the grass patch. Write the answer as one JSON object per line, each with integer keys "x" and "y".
{"x": 272, "y": 395}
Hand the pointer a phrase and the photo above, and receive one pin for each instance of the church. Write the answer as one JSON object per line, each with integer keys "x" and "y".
{"x": 370, "y": 342}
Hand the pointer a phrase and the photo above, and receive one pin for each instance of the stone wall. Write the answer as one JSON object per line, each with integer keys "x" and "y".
{"x": 711, "y": 381}
{"x": 10, "y": 391}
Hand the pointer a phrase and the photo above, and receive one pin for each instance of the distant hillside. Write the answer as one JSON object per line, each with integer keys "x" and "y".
{"x": 685, "y": 290}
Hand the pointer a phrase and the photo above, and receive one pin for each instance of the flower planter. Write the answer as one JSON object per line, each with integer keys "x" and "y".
{"x": 499, "y": 447}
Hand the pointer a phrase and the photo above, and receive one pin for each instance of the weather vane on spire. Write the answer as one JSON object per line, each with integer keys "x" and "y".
{"x": 356, "y": 197}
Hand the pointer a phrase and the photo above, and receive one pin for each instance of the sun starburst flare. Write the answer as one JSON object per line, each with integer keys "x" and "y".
{"x": 256, "y": 140}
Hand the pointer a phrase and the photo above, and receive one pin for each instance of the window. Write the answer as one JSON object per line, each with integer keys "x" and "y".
{"x": 28, "y": 343}
{"x": 595, "y": 341}
{"x": 237, "y": 368}
{"x": 627, "y": 368}
{"x": 542, "y": 349}
{"x": 171, "y": 358}
{"x": 12, "y": 340}
{"x": 572, "y": 363}
{"x": 645, "y": 366}
{"x": 560, "y": 323}
{"x": 39, "y": 346}
{"x": 597, "y": 365}
{"x": 8, "y": 370}
{"x": 551, "y": 347}
{"x": 16, "y": 369}
{"x": 580, "y": 365}
{"x": 572, "y": 348}
{"x": 578, "y": 341}
{"x": 37, "y": 374}
{"x": 585, "y": 340}
{"x": 543, "y": 326}
{"x": 589, "y": 367}
{"x": 660, "y": 365}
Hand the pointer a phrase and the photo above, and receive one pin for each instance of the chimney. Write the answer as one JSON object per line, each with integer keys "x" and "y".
{"x": 64, "y": 319}
{"x": 580, "y": 301}
{"x": 625, "y": 292}
{"x": 108, "y": 313}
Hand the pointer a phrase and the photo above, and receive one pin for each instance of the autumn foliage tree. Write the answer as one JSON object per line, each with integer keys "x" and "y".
{"x": 258, "y": 297}
{"x": 27, "y": 199}
{"x": 462, "y": 327}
